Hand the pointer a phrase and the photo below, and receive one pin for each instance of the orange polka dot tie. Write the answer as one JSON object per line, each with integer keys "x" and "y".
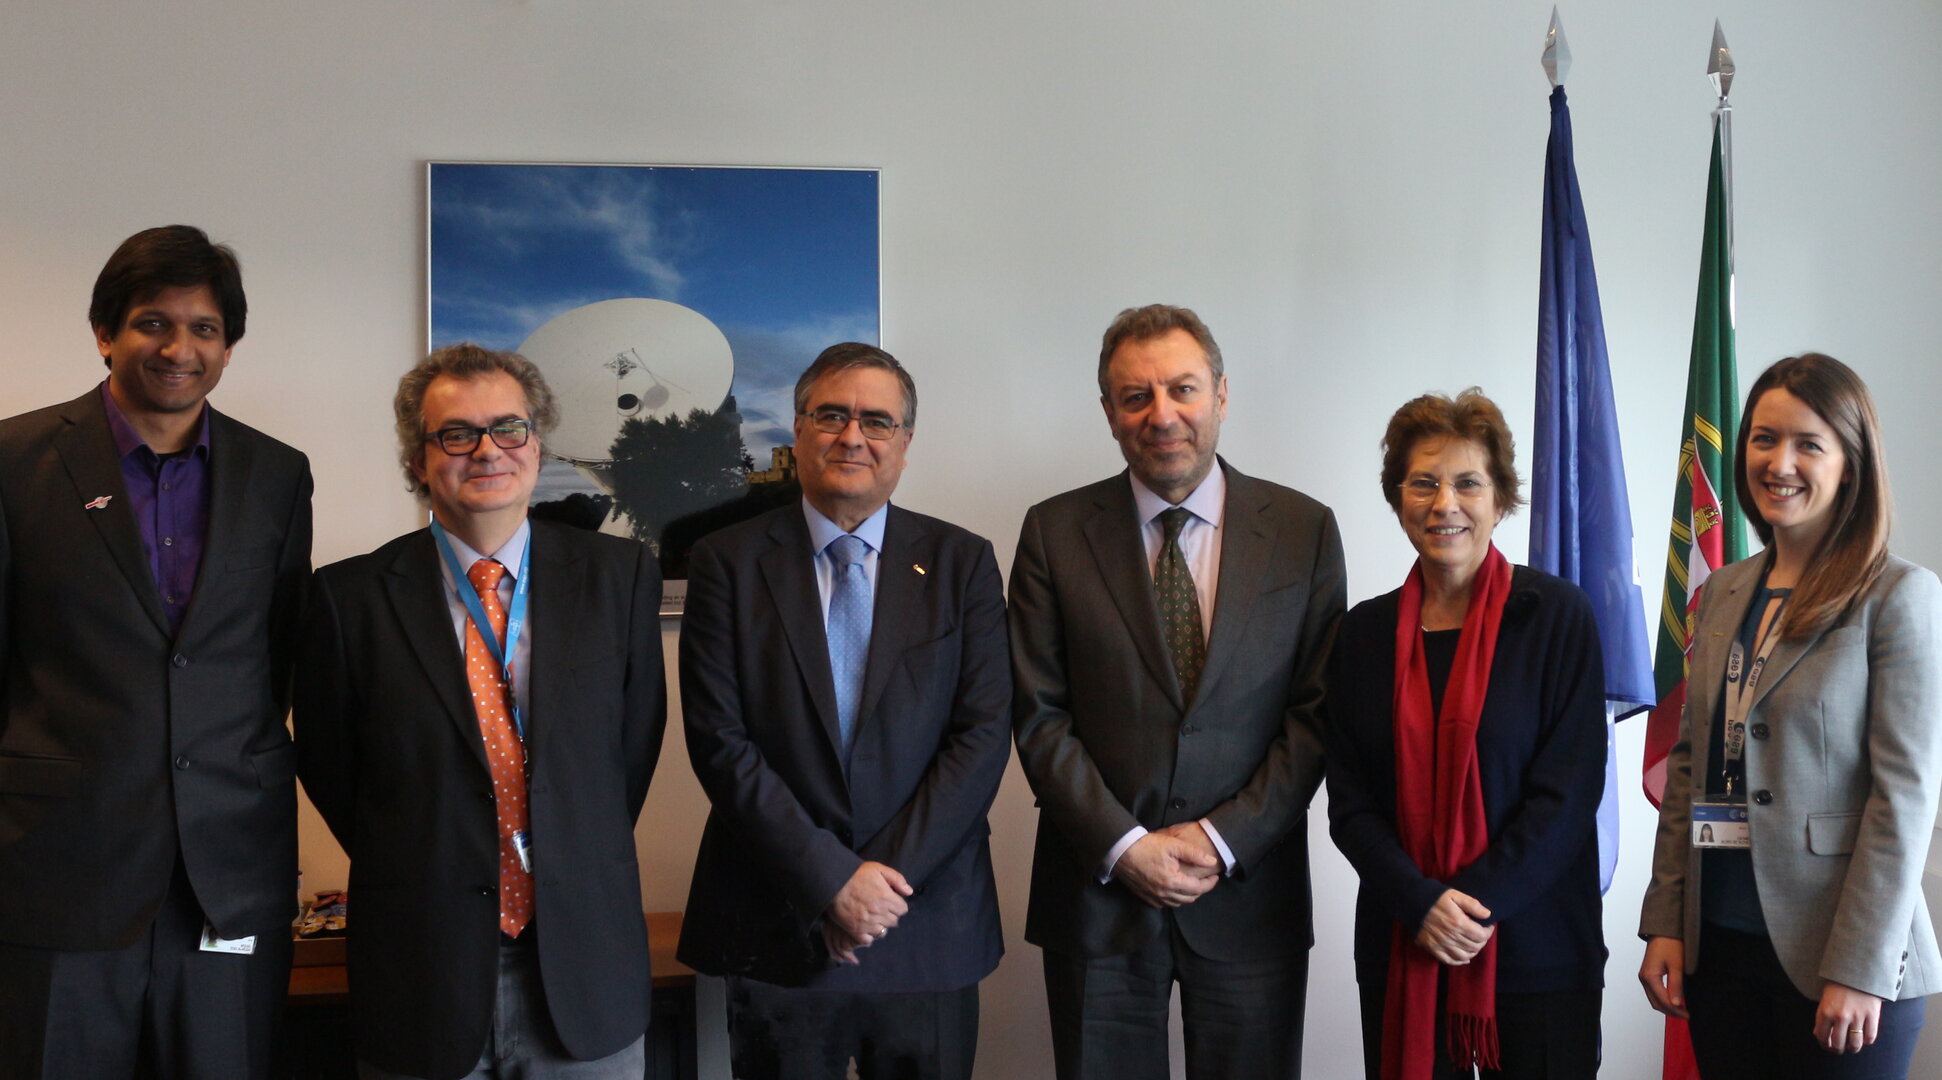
{"x": 492, "y": 700}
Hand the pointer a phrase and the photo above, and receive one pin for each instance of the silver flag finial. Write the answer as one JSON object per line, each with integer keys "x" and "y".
{"x": 1557, "y": 53}
{"x": 1719, "y": 63}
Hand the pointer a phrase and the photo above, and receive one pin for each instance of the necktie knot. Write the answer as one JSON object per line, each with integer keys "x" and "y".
{"x": 1172, "y": 520}
{"x": 848, "y": 550}
{"x": 485, "y": 575}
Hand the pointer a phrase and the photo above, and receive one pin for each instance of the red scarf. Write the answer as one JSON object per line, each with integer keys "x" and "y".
{"x": 1440, "y": 820}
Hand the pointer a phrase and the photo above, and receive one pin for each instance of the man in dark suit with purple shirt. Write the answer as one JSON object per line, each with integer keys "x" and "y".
{"x": 153, "y": 554}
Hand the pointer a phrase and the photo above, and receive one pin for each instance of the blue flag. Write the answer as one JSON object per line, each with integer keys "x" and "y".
{"x": 1581, "y": 518}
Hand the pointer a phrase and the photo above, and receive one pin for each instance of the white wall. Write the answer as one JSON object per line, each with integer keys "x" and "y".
{"x": 1348, "y": 192}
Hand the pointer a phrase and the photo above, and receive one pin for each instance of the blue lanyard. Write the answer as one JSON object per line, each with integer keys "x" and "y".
{"x": 515, "y": 618}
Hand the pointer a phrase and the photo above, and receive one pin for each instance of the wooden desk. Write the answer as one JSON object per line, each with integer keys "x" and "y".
{"x": 317, "y": 1036}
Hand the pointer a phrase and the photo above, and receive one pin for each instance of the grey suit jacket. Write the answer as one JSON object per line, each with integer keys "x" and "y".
{"x": 1108, "y": 742}
{"x": 1844, "y": 763}
{"x": 125, "y": 746}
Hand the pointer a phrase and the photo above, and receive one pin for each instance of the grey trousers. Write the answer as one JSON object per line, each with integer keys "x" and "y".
{"x": 521, "y": 1044}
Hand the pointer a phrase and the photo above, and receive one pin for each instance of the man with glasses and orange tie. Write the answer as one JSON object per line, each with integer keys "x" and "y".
{"x": 845, "y": 690}
{"x": 479, "y": 707}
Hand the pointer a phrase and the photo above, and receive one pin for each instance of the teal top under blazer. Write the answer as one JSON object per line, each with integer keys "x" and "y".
{"x": 1844, "y": 767}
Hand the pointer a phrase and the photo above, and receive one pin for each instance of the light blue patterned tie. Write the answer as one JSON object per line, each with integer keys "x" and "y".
{"x": 848, "y": 630}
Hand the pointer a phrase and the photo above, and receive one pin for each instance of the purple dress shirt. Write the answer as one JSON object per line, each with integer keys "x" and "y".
{"x": 169, "y": 497}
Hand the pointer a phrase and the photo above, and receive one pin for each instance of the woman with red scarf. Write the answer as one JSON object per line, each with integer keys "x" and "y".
{"x": 1466, "y": 757}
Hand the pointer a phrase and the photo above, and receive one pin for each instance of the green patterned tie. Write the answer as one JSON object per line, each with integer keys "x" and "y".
{"x": 1179, "y": 605}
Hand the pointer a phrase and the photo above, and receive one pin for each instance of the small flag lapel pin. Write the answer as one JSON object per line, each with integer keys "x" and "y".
{"x": 98, "y": 503}
{"x": 917, "y": 567}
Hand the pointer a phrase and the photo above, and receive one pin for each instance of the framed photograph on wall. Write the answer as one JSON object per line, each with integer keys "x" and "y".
{"x": 671, "y": 308}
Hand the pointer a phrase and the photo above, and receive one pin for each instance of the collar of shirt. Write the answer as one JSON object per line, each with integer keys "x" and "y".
{"x": 1208, "y": 502}
{"x": 128, "y": 440}
{"x": 512, "y": 556}
{"x": 822, "y": 530}
{"x": 1200, "y": 538}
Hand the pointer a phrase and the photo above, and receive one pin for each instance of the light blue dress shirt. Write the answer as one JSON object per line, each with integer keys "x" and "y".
{"x": 510, "y": 555}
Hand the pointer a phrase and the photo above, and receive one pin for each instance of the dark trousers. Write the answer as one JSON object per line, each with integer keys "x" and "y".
{"x": 1109, "y": 1015}
{"x": 1550, "y": 1036}
{"x": 1748, "y": 1020}
{"x": 159, "y": 1009}
{"x": 522, "y": 1043}
{"x": 781, "y": 1033}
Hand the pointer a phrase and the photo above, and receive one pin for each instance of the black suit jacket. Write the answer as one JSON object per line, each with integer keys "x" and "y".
{"x": 1107, "y": 741}
{"x": 787, "y": 828}
{"x": 123, "y": 744}
{"x": 392, "y": 756}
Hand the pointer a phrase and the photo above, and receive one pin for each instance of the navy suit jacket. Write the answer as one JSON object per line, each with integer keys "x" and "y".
{"x": 123, "y": 745}
{"x": 392, "y": 757}
{"x": 788, "y": 827}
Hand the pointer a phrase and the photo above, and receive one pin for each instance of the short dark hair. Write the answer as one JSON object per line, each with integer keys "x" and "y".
{"x": 854, "y": 354}
{"x": 463, "y": 361}
{"x": 168, "y": 257}
{"x": 1149, "y": 322}
{"x": 1469, "y": 416}
{"x": 1854, "y": 550}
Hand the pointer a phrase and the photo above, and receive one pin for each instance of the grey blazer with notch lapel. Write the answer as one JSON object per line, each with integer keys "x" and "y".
{"x": 1107, "y": 741}
{"x": 1845, "y": 741}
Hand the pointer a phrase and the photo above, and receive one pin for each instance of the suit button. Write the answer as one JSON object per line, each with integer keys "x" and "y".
{"x": 487, "y": 890}
{"x": 181, "y": 761}
{"x": 1763, "y": 796}
{"x": 1187, "y": 729}
{"x": 179, "y": 660}
{"x": 1178, "y": 804}
{"x": 1761, "y": 731}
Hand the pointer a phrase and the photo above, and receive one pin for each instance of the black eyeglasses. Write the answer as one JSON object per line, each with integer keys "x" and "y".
{"x": 459, "y": 439}
{"x": 833, "y": 421}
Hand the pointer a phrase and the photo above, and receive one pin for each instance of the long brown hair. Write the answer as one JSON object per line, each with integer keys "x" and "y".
{"x": 1855, "y": 547}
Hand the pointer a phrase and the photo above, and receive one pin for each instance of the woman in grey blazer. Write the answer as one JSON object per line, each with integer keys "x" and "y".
{"x": 1813, "y": 747}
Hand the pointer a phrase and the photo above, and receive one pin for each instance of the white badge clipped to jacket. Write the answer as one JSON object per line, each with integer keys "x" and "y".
{"x": 1721, "y": 825}
{"x": 242, "y": 946}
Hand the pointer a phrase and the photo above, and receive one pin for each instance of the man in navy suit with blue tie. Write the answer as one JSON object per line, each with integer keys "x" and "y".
{"x": 845, "y": 686}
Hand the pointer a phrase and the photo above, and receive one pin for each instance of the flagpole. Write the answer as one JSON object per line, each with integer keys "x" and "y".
{"x": 1719, "y": 69}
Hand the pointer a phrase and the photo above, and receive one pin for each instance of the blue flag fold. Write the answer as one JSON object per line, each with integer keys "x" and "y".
{"x": 1581, "y": 518}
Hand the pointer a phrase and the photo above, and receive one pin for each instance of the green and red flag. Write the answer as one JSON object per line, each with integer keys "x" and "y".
{"x": 1707, "y": 532}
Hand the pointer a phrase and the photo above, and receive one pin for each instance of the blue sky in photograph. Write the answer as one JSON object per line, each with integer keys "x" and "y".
{"x": 783, "y": 261}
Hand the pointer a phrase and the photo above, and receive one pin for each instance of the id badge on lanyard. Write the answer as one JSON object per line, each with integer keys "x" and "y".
{"x": 1719, "y": 822}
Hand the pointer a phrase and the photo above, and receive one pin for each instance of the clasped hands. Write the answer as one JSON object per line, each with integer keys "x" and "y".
{"x": 1453, "y": 931}
{"x": 866, "y": 908}
{"x": 1172, "y": 867}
